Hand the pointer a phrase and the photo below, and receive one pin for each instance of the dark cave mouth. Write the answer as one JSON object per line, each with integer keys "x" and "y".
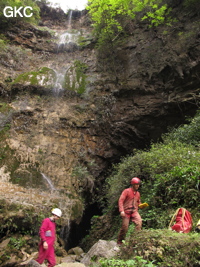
{"x": 74, "y": 233}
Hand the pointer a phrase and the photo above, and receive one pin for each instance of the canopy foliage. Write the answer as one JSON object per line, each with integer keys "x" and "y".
{"x": 111, "y": 16}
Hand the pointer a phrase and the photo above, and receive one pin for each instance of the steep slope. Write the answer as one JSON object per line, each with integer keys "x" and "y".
{"x": 130, "y": 96}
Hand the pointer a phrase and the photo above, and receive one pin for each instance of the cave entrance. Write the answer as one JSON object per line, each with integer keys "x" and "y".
{"x": 74, "y": 233}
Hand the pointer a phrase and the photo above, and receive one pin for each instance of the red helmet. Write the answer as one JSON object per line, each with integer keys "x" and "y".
{"x": 135, "y": 180}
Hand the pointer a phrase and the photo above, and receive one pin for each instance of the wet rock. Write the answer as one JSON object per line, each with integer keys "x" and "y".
{"x": 69, "y": 258}
{"x": 44, "y": 77}
{"x": 76, "y": 253}
{"x": 102, "y": 249}
{"x": 70, "y": 47}
{"x": 76, "y": 250}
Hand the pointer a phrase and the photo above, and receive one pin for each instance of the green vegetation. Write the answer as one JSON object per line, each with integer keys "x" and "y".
{"x": 43, "y": 77}
{"x": 137, "y": 262}
{"x": 163, "y": 248}
{"x": 84, "y": 178}
{"x": 80, "y": 75}
{"x": 188, "y": 133}
{"x": 169, "y": 171}
{"x": 4, "y": 107}
{"x": 75, "y": 77}
{"x": 80, "y": 172}
{"x": 3, "y": 42}
{"x": 18, "y": 3}
{"x": 17, "y": 242}
{"x": 4, "y": 132}
{"x": 110, "y": 17}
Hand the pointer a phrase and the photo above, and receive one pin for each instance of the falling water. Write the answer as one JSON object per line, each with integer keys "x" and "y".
{"x": 66, "y": 37}
{"x": 58, "y": 86}
{"x": 49, "y": 182}
{"x": 64, "y": 234}
{"x": 70, "y": 19}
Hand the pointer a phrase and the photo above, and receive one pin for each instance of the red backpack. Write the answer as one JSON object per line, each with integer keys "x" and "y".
{"x": 183, "y": 220}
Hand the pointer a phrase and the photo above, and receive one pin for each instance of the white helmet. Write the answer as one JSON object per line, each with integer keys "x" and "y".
{"x": 57, "y": 212}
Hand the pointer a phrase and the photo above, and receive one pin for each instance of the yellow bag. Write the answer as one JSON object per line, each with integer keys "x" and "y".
{"x": 197, "y": 228}
{"x": 143, "y": 205}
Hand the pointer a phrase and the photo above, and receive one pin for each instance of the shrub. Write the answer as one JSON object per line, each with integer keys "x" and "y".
{"x": 137, "y": 261}
{"x": 169, "y": 172}
{"x": 187, "y": 133}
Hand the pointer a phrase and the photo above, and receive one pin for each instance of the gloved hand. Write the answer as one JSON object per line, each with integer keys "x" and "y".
{"x": 143, "y": 205}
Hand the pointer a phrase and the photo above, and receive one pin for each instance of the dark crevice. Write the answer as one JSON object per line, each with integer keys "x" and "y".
{"x": 74, "y": 233}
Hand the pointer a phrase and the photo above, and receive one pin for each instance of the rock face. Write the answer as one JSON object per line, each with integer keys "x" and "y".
{"x": 109, "y": 102}
{"x": 154, "y": 89}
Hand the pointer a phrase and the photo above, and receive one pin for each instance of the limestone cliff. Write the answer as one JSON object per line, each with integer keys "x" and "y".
{"x": 108, "y": 103}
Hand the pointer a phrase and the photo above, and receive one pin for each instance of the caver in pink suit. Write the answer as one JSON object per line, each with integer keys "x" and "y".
{"x": 47, "y": 233}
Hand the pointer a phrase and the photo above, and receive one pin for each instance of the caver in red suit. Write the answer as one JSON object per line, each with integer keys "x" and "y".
{"x": 128, "y": 208}
{"x": 48, "y": 236}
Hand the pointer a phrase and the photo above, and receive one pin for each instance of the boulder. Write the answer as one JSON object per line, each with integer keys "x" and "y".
{"x": 102, "y": 249}
{"x": 76, "y": 250}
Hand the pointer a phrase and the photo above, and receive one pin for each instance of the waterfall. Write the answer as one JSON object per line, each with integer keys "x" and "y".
{"x": 66, "y": 37}
{"x": 70, "y": 19}
{"x": 68, "y": 41}
{"x": 58, "y": 86}
{"x": 51, "y": 186}
{"x": 63, "y": 39}
{"x": 64, "y": 234}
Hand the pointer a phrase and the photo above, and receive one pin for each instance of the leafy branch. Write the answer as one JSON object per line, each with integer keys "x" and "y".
{"x": 109, "y": 16}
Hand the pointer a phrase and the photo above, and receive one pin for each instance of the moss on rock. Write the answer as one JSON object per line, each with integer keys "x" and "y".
{"x": 44, "y": 77}
{"x": 75, "y": 77}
